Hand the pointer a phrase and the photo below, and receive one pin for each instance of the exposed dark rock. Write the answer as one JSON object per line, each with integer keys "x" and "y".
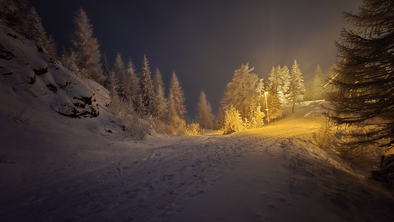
{"x": 386, "y": 171}
{"x": 5, "y": 54}
{"x": 31, "y": 80}
{"x": 8, "y": 73}
{"x": 40, "y": 71}
{"x": 84, "y": 101}
{"x": 76, "y": 113}
{"x": 52, "y": 87}
{"x": 13, "y": 35}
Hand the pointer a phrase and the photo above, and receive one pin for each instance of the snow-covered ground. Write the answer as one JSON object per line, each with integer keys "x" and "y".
{"x": 57, "y": 168}
{"x": 76, "y": 172}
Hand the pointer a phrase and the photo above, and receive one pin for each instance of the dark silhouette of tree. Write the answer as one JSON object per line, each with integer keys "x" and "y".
{"x": 365, "y": 82}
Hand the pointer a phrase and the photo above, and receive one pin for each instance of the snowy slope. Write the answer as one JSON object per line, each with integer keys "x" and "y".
{"x": 57, "y": 168}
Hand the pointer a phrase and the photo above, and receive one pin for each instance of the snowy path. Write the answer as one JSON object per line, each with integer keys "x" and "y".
{"x": 271, "y": 174}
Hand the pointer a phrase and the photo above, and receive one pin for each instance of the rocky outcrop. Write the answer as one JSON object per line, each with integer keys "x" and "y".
{"x": 26, "y": 69}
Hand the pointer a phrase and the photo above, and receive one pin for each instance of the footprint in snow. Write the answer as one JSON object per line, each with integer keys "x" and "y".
{"x": 201, "y": 192}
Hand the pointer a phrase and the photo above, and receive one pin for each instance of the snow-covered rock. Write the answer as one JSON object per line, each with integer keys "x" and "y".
{"x": 23, "y": 68}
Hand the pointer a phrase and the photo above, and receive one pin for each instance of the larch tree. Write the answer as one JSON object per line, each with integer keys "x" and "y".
{"x": 176, "y": 100}
{"x": 132, "y": 84}
{"x": 105, "y": 68}
{"x": 161, "y": 102}
{"x": 113, "y": 89}
{"x": 146, "y": 90}
{"x": 12, "y": 13}
{"x": 241, "y": 91}
{"x": 317, "y": 84}
{"x": 120, "y": 72}
{"x": 86, "y": 48}
{"x": 204, "y": 112}
{"x": 295, "y": 93}
{"x": 52, "y": 47}
{"x": 36, "y": 32}
{"x": 365, "y": 79}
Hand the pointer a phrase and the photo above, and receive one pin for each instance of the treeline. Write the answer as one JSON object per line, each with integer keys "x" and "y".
{"x": 136, "y": 99}
{"x": 250, "y": 102}
{"x": 140, "y": 102}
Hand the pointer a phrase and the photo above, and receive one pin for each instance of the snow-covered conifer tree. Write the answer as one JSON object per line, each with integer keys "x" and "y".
{"x": 86, "y": 48}
{"x": 241, "y": 91}
{"x": 161, "y": 102}
{"x": 284, "y": 86}
{"x": 317, "y": 84}
{"x": 105, "y": 68}
{"x": 274, "y": 105}
{"x": 114, "y": 84}
{"x": 120, "y": 72}
{"x": 295, "y": 93}
{"x": 176, "y": 99}
{"x": 52, "y": 47}
{"x": 36, "y": 32}
{"x": 146, "y": 90}
{"x": 132, "y": 84}
{"x": 204, "y": 112}
{"x": 279, "y": 80}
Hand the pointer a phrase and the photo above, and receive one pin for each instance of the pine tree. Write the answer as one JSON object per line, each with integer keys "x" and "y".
{"x": 36, "y": 32}
{"x": 274, "y": 105}
{"x": 146, "y": 90}
{"x": 260, "y": 90}
{"x": 132, "y": 84}
{"x": 295, "y": 93}
{"x": 279, "y": 81}
{"x": 120, "y": 72}
{"x": 161, "y": 102}
{"x": 256, "y": 116}
{"x": 365, "y": 80}
{"x": 317, "y": 85}
{"x": 176, "y": 99}
{"x": 52, "y": 47}
{"x": 105, "y": 68}
{"x": 204, "y": 112}
{"x": 86, "y": 48}
{"x": 241, "y": 91}
{"x": 285, "y": 84}
{"x": 114, "y": 85}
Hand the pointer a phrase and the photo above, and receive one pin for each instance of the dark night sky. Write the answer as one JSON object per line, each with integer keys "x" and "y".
{"x": 204, "y": 41}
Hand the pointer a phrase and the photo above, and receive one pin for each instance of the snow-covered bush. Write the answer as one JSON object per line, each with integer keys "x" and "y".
{"x": 193, "y": 129}
{"x": 178, "y": 125}
{"x": 131, "y": 123}
{"x": 138, "y": 128}
{"x": 232, "y": 121}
